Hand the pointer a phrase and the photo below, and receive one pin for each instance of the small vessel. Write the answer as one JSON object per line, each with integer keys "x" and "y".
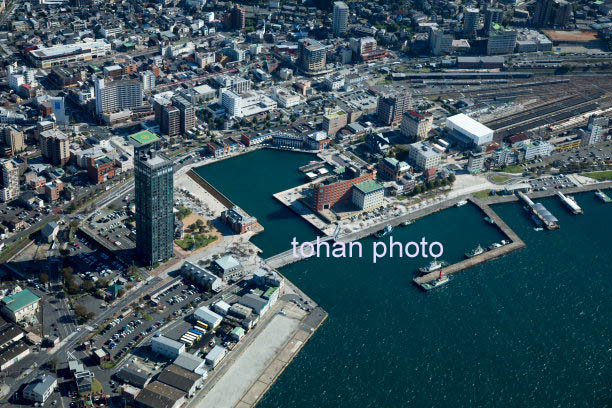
{"x": 461, "y": 203}
{"x": 440, "y": 281}
{"x": 538, "y": 229}
{"x": 494, "y": 245}
{"x": 504, "y": 242}
{"x": 603, "y": 196}
{"x": 406, "y": 223}
{"x": 489, "y": 220}
{"x": 476, "y": 251}
{"x": 570, "y": 203}
{"x": 384, "y": 232}
{"x": 433, "y": 266}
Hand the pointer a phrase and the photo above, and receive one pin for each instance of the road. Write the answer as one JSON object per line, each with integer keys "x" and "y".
{"x": 78, "y": 336}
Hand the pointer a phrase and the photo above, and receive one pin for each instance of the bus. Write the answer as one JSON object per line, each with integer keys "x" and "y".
{"x": 186, "y": 341}
{"x": 202, "y": 325}
{"x": 198, "y": 330}
{"x": 191, "y": 337}
{"x": 195, "y": 333}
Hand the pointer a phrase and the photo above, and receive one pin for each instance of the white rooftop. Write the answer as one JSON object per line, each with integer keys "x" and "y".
{"x": 470, "y": 125}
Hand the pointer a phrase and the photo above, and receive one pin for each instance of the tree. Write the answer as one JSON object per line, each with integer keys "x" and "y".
{"x": 121, "y": 293}
{"x": 44, "y": 278}
{"x": 88, "y": 285}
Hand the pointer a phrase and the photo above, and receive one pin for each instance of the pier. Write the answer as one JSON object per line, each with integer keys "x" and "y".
{"x": 515, "y": 244}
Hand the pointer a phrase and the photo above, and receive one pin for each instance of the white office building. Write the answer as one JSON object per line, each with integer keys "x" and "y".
{"x": 368, "y": 195}
{"x": 247, "y": 104}
{"x": 167, "y": 347}
{"x": 423, "y": 156}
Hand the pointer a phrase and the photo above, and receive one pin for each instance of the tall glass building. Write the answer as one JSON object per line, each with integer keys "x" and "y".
{"x": 154, "y": 196}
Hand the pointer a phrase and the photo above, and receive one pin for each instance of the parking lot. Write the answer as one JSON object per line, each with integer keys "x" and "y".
{"x": 114, "y": 227}
{"x": 551, "y": 183}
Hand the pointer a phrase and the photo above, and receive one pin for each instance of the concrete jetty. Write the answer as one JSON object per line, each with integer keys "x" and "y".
{"x": 549, "y": 193}
{"x": 285, "y": 258}
{"x": 515, "y": 244}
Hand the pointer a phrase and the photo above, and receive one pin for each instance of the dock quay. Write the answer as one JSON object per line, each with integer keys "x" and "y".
{"x": 312, "y": 166}
{"x": 549, "y": 193}
{"x": 538, "y": 209}
{"x": 515, "y": 244}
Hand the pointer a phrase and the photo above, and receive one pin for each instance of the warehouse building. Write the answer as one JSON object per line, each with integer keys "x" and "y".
{"x": 157, "y": 394}
{"x": 215, "y": 356}
{"x": 468, "y": 132}
{"x": 207, "y": 316}
{"x": 181, "y": 379}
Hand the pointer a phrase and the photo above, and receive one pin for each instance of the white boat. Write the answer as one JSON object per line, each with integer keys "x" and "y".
{"x": 461, "y": 203}
{"x": 433, "y": 266}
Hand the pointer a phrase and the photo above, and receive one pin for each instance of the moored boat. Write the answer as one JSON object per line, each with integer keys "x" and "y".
{"x": 476, "y": 251}
{"x": 384, "y": 232}
{"x": 603, "y": 196}
{"x": 439, "y": 281}
{"x": 433, "y": 266}
{"x": 461, "y": 203}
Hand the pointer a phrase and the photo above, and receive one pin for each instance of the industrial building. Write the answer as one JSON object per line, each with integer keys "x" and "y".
{"x": 469, "y": 132}
{"x": 204, "y": 314}
{"x": 215, "y": 356}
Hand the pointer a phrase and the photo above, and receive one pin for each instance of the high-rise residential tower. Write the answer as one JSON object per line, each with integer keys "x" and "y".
{"x": 154, "y": 196}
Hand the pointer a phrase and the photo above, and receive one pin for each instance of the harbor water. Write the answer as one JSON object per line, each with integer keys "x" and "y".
{"x": 531, "y": 329}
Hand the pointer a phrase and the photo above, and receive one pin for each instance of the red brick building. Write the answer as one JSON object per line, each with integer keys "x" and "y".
{"x": 101, "y": 169}
{"x": 338, "y": 189}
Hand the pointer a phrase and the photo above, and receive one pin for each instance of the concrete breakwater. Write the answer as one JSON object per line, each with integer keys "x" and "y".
{"x": 212, "y": 190}
{"x": 515, "y": 244}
